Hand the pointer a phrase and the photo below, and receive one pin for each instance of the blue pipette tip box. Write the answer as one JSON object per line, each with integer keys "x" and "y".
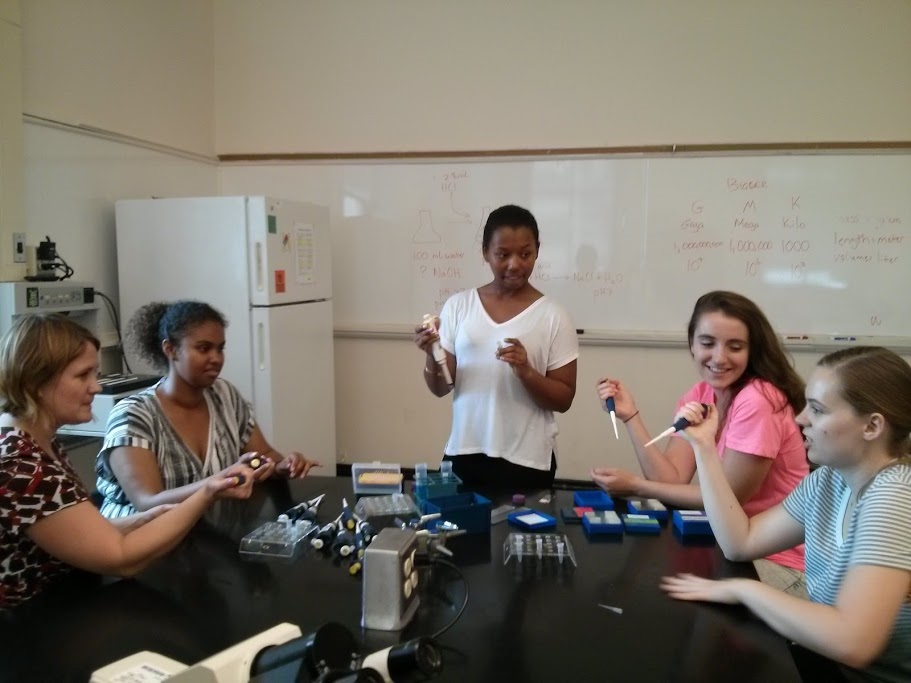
{"x": 531, "y": 519}
{"x": 602, "y": 522}
{"x": 640, "y": 524}
{"x": 692, "y": 523}
{"x": 647, "y": 506}
{"x": 469, "y": 511}
{"x": 596, "y": 500}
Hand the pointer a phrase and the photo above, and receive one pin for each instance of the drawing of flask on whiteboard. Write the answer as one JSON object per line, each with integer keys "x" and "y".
{"x": 425, "y": 233}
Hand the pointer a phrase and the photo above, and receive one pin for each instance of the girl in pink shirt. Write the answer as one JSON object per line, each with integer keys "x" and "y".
{"x": 746, "y": 373}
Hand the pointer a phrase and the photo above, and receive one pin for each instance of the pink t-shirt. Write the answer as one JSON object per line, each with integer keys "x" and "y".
{"x": 757, "y": 425}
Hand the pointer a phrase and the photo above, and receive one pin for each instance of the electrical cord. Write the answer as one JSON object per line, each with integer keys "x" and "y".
{"x": 65, "y": 267}
{"x": 464, "y": 580}
{"x": 112, "y": 311}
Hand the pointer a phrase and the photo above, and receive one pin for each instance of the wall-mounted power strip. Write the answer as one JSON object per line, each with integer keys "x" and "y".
{"x": 390, "y": 597}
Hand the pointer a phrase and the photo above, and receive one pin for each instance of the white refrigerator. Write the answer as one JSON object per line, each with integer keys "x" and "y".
{"x": 265, "y": 264}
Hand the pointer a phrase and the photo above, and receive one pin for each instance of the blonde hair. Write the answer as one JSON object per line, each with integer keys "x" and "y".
{"x": 876, "y": 380}
{"x": 33, "y": 352}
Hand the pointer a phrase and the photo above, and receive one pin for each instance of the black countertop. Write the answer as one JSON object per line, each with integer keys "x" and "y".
{"x": 519, "y": 625}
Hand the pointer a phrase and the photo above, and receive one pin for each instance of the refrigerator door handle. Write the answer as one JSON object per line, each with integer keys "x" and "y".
{"x": 261, "y": 346}
{"x": 258, "y": 250}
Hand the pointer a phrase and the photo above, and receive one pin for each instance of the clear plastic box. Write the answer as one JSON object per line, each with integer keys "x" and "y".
{"x": 554, "y": 548}
{"x": 376, "y": 478}
{"x": 397, "y": 505}
{"x": 277, "y": 539}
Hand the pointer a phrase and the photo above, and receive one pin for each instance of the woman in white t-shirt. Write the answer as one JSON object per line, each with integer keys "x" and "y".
{"x": 511, "y": 354}
{"x": 852, "y": 512}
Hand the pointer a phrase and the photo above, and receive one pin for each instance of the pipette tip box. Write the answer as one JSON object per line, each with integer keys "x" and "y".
{"x": 276, "y": 539}
{"x": 531, "y": 520}
{"x": 596, "y": 500}
{"x": 692, "y": 523}
{"x": 640, "y": 524}
{"x": 602, "y": 522}
{"x": 469, "y": 511}
{"x": 647, "y": 506}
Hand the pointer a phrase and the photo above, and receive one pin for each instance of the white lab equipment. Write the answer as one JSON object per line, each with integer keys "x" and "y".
{"x": 228, "y": 666}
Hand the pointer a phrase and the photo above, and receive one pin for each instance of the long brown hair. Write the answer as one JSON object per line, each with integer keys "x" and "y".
{"x": 767, "y": 359}
{"x": 875, "y": 380}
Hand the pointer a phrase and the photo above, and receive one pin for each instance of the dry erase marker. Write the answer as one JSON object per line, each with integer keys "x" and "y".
{"x": 611, "y": 408}
{"x": 679, "y": 423}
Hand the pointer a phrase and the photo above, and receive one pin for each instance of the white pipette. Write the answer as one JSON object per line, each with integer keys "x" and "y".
{"x": 679, "y": 423}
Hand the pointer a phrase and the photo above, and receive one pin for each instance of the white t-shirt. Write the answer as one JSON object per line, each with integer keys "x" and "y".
{"x": 492, "y": 412}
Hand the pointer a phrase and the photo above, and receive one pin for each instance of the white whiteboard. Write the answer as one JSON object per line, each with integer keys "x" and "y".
{"x": 821, "y": 242}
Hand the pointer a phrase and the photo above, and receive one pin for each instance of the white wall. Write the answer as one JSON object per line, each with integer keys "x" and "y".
{"x": 313, "y": 76}
{"x": 12, "y": 210}
{"x": 138, "y": 68}
{"x": 308, "y": 76}
{"x": 71, "y": 183}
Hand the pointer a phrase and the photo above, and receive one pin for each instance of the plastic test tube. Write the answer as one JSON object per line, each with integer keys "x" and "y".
{"x": 446, "y": 469}
{"x": 420, "y": 471}
{"x": 560, "y": 551}
{"x": 539, "y": 546}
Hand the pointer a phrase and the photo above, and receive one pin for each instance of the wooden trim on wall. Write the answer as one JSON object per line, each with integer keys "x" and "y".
{"x": 885, "y": 146}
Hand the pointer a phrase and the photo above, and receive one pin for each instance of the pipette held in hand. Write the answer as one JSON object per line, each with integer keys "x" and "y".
{"x": 612, "y": 409}
{"x": 439, "y": 355}
{"x": 679, "y": 423}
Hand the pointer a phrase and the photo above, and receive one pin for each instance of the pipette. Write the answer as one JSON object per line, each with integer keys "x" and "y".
{"x": 611, "y": 408}
{"x": 679, "y": 423}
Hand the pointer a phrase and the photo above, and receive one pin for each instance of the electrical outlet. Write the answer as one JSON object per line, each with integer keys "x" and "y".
{"x": 18, "y": 247}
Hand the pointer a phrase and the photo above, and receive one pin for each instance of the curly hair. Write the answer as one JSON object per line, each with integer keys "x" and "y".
{"x": 159, "y": 321}
{"x": 768, "y": 359}
{"x": 36, "y": 349}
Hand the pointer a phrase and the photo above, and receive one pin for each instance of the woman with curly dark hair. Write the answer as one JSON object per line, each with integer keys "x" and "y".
{"x": 166, "y": 442}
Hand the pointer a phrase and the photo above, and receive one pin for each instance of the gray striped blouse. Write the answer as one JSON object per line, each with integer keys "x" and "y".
{"x": 139, "y": 421}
